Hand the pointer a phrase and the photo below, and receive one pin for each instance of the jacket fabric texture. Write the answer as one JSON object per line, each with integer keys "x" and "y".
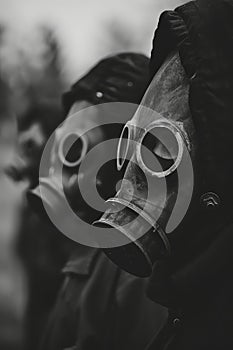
{"x": 101, "y": 307}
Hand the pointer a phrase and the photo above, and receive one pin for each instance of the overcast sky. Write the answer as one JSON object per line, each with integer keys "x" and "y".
{"x": 85, "y": 28}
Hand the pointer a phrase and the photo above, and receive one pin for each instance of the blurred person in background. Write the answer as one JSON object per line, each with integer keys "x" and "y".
{"x": 41, "y": 248}
{"x": 37, "y": 89}
{"x": 99, "y": 306}
{"x": 12, "y": 278}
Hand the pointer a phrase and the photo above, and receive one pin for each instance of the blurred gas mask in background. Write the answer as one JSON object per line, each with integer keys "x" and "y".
{"x": 69, "y": 146}
{"x": 34, "y": 129}
{"x": 95, "y": 117}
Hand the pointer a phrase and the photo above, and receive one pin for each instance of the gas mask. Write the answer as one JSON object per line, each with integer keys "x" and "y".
{"x": 82, "y": 170}
{"x": 67, "y": 148}
{"x": 159, "y": 146}
{"x": 85, "y": 128}
{"x": 26, "y": 163}
{"x": 34, "y": 129}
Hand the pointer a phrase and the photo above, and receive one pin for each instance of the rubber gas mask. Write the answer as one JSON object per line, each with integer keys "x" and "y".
{"x": 158, "y": 147}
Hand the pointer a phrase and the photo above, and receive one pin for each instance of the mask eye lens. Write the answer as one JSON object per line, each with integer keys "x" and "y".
{"x": 72, "y": 149}
{"x": 160, "y": 150}
{"x": 123, "y": 147}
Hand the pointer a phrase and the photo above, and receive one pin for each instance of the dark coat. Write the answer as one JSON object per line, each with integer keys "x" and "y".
{"x": 101, "y": 307}
{"x": 199, "y": 295}
{"x": 43, "y": 251}
{"x": 196, "y": 284}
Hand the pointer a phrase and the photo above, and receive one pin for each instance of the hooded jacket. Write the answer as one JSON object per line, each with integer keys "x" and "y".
{"x": 198, "y": 291}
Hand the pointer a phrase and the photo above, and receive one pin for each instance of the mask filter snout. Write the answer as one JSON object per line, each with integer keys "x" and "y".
{"x": 142, "y": 244}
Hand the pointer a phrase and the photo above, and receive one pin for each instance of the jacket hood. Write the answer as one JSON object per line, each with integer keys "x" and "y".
{"x": 202, "y": 31}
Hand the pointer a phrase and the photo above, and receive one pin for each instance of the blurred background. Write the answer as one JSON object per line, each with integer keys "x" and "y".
{"x": 45, "y": 46}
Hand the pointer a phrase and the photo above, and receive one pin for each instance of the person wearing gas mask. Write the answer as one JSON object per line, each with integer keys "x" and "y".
{"x": 176, "y": 195}
{"x": 99, "y": 306}
{"x": 41, "y": 249}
